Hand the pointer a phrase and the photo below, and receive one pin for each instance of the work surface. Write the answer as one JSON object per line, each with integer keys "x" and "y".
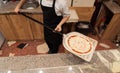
{"x": 10, "y": 6}
{"x": 102, "y": 62}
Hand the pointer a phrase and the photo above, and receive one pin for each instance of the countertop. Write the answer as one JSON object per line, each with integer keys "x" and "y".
{"x": 10, "y": 6}
{"x": 102, "y": 62}
{"x": 112, "y": 6}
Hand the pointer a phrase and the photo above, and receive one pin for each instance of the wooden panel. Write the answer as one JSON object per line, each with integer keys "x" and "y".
{"x": 84, "y": 13}
{"x": 112, "y": 12}
{"x": 113, "y": 28}
{"x": 5, "y": 27}
{"x": 21, "y": 27}
{"x": 15, "y": 27}
{"x": 36, "y": 28}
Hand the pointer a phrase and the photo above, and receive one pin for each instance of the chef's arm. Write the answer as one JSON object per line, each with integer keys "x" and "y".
{"x": 63, "y": 20}
{"x": 59, "y": 26}
{"x": 19, "y": 5}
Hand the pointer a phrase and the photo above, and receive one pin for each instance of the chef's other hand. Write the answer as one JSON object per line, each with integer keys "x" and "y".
{"x": 16, "y": 10}
{"x": 58, "y": 28}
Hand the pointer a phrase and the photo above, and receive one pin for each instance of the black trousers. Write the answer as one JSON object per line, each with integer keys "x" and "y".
{"x": 53, "y": 40}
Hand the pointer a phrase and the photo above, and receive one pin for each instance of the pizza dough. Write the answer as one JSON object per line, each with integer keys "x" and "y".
{"x": 79, "y": 44}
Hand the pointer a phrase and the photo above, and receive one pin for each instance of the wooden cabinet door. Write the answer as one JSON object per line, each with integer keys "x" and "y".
{"x": 37, "y": 29}
{"x": 5, "y": 28}
{"x": 111, "y": 12}
{"x": 15, "y": 27}
{"x": 113, "y": 29}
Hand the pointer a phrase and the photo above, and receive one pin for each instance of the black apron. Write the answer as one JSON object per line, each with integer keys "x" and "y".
{"x": 51, "y": 19}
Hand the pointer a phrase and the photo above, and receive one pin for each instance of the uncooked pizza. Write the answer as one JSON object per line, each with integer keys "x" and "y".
{"x": 79, "y": 44}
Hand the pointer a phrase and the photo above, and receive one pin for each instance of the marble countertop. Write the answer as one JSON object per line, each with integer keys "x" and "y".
{"x": 10, "y": 6}
{"x": 102, "y": 62}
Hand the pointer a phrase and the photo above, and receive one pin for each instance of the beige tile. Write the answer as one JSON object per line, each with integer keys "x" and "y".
{"x": 11, "y": 54}
{"x": 42, "y": 48}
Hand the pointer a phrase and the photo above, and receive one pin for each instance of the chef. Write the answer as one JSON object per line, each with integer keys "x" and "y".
{"x": 55, "y": 14}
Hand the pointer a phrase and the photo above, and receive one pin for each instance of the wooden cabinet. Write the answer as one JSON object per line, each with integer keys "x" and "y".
{"x": 84, "y": 13}
{"x": 37, "y": 29}
{"x": 111, "y": 12}
{"x": 17, "y": 27}
{"x": 84, "y": 8}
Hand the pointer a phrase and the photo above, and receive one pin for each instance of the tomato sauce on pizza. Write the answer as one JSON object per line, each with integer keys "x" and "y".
{"x": 79, "y": 44}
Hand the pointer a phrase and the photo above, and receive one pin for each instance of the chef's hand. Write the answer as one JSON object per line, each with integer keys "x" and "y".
{"x": 58, "y": 28}
{"x": 16, "y": 10}
{"x": 19, "y": 5}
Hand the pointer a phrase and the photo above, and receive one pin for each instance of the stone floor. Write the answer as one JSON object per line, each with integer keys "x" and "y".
{"x": 30, "y": 49}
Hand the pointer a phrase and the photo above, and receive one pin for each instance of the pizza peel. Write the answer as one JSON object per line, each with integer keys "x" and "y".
{"x": 86, "y": 57}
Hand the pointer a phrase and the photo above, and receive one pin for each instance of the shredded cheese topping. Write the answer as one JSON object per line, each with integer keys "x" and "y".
{"x": 79, "y": 44}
